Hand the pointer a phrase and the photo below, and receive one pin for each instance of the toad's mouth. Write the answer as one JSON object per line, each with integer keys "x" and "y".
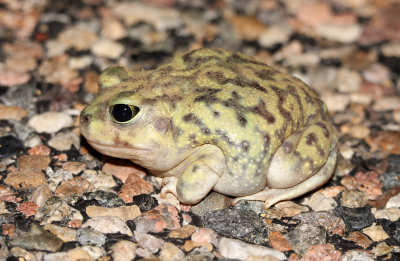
{"x": 123, "y": 152}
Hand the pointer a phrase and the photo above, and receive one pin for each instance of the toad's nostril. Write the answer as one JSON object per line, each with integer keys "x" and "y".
{"x": 85, "y": 118}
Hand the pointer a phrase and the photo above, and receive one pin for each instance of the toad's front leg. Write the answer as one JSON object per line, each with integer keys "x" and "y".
{"x": 203, "y": 168}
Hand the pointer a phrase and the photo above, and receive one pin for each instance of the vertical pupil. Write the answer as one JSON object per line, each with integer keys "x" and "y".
{"x": 122, "y": 112}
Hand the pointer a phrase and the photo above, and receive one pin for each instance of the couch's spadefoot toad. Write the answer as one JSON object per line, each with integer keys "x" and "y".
{"x": 213, "y": 119}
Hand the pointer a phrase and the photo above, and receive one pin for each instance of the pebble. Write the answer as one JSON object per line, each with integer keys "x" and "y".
{"x": 378, "y": 74}
{"x": 134, "y": 186}
{"x": 122, "y": 169}
{"x": 6, "y": 195}
{"x": 78, "y": 38}
{"x": 236, "y": 249}
{"x": 319, "y": 202}
{"x": 39, "y": 149}
{"x": 348, "y": 80}
{"x": 11, "y": 78}
{"x": 322, "y": 252}
{"x": 325, "y": 219}
{"x": 134, "y": 12}
{"x": 190, "y": 245}
{"x": 38, "y": 239}
{"x": 213, "y": 201}
{"x": 125, "y": 212}
{"x": 386, "y": 141}
{"x": 355, "y": 218}
{"x": 106, "y": 199}
{"x": 22, "y": 253}
{"x": 108, "y": 224}
{"x": 28, "y": 208}
{"x": 205, "y": 235}
{"x": 99, "y": 179}
{"x": 12, "y": 113}
{"x": 304, "y": 236}
{"x": 393, "y": 202}
{"x": 56, "y": 209}
{"x": 382, "y": 250}
{"x": 21, "y": 64}
{"x": 81, "y": 62}
{"x": 237, "y": 223}
{"x": 391, "y": 50}
{"x": 75, "y": 186}
{"x": 247, "y": 27}
{"x": 25, "y": 179}
{"x": 392, "y": 214}
{"x": 90, "y": 83}
{"x": 78, "y": 254}
{"x": 64, "y": 141}
{"x": 360, "y": 239}
{"x": 335, "y": 102}
{"x": 123, "y": 250}
{"x": 157, "y": 219}
{"x": 356, "y": 255}
{"x": 387, "y": 104}
{"x": 341, "y": 33}
{"x": 74, "y": 167}
{"x": 353, "y": 199}
{"x": 278, "y": 242}
{"x": 33, "y": 162}
{"x": 170, "y": 252}
{"x": 50, "y": 122}
{"x": 64, "y": 233}
{"x": 252, "y": 205}
{"x": 95, "y": 252}
{"x": 183, "y": 232}
{"x": 90, "y": 236}
{"x": 56, "y": 71}
{"x": 108, "y": 49}
{"x": 149, "y": 242}
{"x": 60, "y": 256}
{"x": 273, "y": 35}
{"x": 375, "y": 232}
{"x": 10, "y": 146}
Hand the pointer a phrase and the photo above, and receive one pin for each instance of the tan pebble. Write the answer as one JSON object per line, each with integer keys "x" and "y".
{"x": 360, "y": 239}
{"x": 376, "y": 233}
{"x": 190, "y": 244}
{"x": 64, "y": 233}
{"x": 170, "y": 252}
{"x": 33, "y": 162}
{"x": 125, "y": 212}
{"x": 12, "y": 113}
{"x": 123, "y": 250}
{"x": 25, "y": 179}
{"x": 74, "y": 167}
{"x": 183, "y": 232}
{"x": 78, "y": 254}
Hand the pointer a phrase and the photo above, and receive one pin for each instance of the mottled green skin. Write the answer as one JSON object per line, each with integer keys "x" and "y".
{"x": 220, "y": 118}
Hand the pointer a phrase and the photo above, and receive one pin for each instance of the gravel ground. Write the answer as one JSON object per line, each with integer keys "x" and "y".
{"x": 61, "y": 200}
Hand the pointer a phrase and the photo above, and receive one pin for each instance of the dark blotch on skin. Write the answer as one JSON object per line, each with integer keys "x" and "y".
{"x": 161, "y": 124}
{"x": 265, "y": 74}
{"x": 206, "y": 130}
{"x": 245, "y": 145}
{"x": 263, "y": 112}
{"x": 216, "y": 114}
{"x": 242, "y": 120}
{"x": 190, "y": 117}
{"x": 324, "y": 128}
{"x": 288, "y": 147}
{"x": 194, "y": 169}
{"x": 312, "y": 139}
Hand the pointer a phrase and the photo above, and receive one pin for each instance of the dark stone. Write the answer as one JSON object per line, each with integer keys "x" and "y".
{"x": 391, "y": 177}
{"x": 145, "y": 202}
{"x": 355, "y": 218}
{"x": 106, "y": 199}
{"x": 304, "y": 236}
{"x": 237, "y": 223}
{"x": 10, "y": 145}
{"x": 89, "y": 235}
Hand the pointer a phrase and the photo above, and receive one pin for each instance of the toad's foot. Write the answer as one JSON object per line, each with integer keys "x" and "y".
{"x": 272, "y": 196}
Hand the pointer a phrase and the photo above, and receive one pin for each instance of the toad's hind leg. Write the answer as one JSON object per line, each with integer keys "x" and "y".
{"x": 304, "y": 162}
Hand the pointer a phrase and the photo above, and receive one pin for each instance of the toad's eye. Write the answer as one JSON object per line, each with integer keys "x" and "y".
{"x": 123, "y": 113}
